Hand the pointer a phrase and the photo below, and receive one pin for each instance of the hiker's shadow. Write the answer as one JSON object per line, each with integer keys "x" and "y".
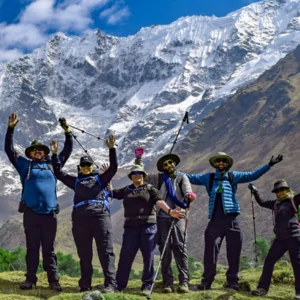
{"x": 10, "y": 287}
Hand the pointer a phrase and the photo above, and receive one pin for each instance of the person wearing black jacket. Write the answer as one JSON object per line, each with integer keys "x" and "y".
{"x": 39, "y": 202}
{"x": 91, "y": 215}
{"x": 139, "y": 200}
{"x": 287, "y": 231}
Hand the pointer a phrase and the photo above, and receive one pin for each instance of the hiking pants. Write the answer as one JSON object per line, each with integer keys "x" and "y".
{"x": 134, "y": 238}
{"x": 176, "y": 247}
{"x": 278, "y": 248}
{"x": 40, "y": 230}
{"x": 89, "y": 225}
{"x": 229, "y": 227}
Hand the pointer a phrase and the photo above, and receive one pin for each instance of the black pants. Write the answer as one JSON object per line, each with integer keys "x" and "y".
{"x": 89, "y": 225}
{"x": 278, "y": 248}
{"x": 229, "y": 227}
{"x": 174, "y": 246}
{"x": 134, "y": 239}
{"x": 40, "y": 230}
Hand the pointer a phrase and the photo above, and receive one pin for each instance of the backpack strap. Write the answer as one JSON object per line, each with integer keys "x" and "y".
{"x": 160, "y": 181}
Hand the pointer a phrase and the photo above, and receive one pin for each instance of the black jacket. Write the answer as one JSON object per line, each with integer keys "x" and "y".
{"x": 286, "y": 221}
{"x": 89, "y": 188}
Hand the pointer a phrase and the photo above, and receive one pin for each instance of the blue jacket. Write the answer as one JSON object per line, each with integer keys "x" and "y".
{"x": 230, "y": 202}
{"x": 39, "y": 187}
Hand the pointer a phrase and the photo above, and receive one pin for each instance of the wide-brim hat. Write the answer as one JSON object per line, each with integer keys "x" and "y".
{"x": 221, "y": 155}
{"x": 34, "y": 144}
{"x": 280, "y": 184}
{"x": 137, "y": 168}
{"x": 160, "y": 162}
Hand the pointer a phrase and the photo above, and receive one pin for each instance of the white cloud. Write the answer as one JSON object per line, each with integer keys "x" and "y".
{"x": 41, "y": 16}
{"x": 9, "y": 55}
{"x": 116, "y": 13}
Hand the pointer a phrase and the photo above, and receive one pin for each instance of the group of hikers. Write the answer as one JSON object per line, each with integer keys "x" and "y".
{"x": 155, "y": 206}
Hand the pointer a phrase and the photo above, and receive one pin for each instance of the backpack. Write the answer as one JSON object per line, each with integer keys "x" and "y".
{"x": 297, "y": 211}
{"x": 212, "y": 179}
{"x": 105, "y": 192}
{"x": 22, "y": 205}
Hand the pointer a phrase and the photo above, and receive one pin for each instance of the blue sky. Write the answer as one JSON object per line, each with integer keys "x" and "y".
{"x": 27, "y": 24}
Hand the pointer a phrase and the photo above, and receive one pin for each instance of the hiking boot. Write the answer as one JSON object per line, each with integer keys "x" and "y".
{"x": 55, "y": 286}
{"x": 203, "y": 287}
{"x": 183, "y": 288}
{"x": 26, "y": 285}
{"x": 168, "y": 288}
{"x": 108, "y": 289}
{"x": 235, "y": 286}
{"x": 145, "y": 291}
{"x": 260, "y": 292}
{"x": 85, "y": 289}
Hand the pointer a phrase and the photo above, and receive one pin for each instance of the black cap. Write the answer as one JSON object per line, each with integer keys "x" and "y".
{"x": 86, "y": 159}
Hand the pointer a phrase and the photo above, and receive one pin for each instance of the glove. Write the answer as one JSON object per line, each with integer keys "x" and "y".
{"x": 252, "y": 188}
{"x": 139, "y": 152}
{"x": 274, "y": 161}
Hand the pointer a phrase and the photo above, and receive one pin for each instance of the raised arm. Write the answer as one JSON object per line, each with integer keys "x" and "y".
{"x": 243, "y": 177}
{"x": 68, "y": 180}
{"x": 198, "y": 179}
{"x": 68, "y": 145}
{"x": 12, "y": 154}
{"x": 263, "y": 203}
{"x": 113, "y": 164}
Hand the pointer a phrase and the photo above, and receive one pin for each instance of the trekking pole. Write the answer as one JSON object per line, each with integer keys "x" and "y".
{"x": 187, "y": 212}
{"x": 254, "y": 227}
{"x": 161, "y": 257}
{"x": 95, "y": 136}
{"x": 185, "y": 119}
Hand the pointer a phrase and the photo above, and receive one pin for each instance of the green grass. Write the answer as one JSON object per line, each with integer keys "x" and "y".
{"x": 9, "y": 288}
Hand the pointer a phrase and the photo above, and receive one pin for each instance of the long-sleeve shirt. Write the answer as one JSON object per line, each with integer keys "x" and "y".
{"x": 39, "y": 183}
{"x": 139, "y": 204}
{"x": 286, "y": 220}
{"x": 229, "y": 200}
{"x": 88, "y": 188}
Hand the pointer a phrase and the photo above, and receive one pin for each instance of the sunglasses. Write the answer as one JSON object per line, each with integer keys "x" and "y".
{"x": 280, "y": 190}
{"x": 224, "y": 160}
{"x": 85, "y": 164}
{"x": 137, "y": 173}
{"x": 37, "y": 149}
{"x": 168, "y": 162}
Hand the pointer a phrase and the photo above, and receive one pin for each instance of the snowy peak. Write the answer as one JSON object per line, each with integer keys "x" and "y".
{"x": 139, "y": 87}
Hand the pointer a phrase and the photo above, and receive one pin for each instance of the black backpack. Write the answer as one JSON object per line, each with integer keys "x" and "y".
{"x": 212, "y": 179}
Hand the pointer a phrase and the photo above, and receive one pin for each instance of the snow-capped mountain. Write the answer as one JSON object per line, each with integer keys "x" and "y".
{"x": 139, "y": 87}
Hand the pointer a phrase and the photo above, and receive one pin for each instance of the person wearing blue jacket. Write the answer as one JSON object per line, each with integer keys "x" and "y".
{"x": 39, "y": 202}
{"x": 224, "y": 210}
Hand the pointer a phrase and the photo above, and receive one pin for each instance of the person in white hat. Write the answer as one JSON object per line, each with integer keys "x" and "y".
{"x": 224, "y": 210}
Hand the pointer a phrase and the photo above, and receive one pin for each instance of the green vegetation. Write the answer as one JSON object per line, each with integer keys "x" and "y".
{"x": 12, "y": 266}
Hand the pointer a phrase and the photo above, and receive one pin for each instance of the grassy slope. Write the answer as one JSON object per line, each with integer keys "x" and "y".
{"x": 9, "y": 288}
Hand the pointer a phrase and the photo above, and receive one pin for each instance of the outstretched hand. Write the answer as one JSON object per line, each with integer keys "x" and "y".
{"x": 111, "y": 142}
{"x": 104, "y": 167}
{"x": 54, "y": 147}
{"x": 13, "y": 120}
{"x": 274, "y": 161}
